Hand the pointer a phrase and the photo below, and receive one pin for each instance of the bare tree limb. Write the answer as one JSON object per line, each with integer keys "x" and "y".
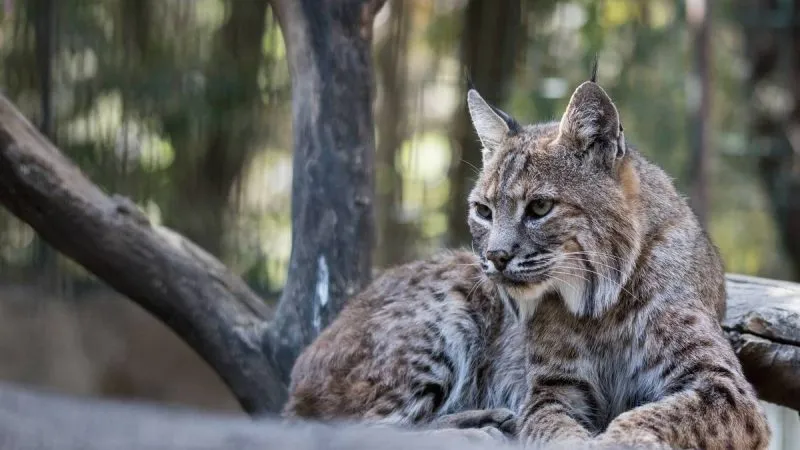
{"x": 190, "y": 291}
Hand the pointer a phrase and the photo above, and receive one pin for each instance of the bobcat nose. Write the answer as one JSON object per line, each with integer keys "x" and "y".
{"x": 499, "y": 258}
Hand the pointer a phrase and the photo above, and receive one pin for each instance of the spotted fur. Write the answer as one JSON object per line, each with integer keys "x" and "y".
{"x": 620, "y": 290}
{"x": 422, "y": 342}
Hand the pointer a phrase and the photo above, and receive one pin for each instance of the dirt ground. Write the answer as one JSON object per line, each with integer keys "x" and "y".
{"x": 101, "y": 345}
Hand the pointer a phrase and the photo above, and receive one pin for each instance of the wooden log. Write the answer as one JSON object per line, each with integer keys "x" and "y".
{"x": 763, "y": 325}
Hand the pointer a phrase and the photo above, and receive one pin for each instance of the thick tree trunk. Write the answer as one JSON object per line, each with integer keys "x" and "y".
{"x": 329, "y": 50}
{"x": 489, "y": 46}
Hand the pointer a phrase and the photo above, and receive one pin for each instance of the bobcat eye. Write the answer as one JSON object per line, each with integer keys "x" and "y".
{"x": 483, "y": 211}
{"x": 539, "y": 208}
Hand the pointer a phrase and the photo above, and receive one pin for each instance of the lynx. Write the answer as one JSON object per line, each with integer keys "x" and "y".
{"x": 620, "y": 290}
{"x": 591, "y": 307}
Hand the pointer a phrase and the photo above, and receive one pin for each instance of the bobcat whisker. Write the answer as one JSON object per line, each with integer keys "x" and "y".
{"x": 571, "y": 275}
{"x": 475, "y": 286}
{"x": 472, "y": 166}
{"x": 575, "y": 258}
{"x": 562, "y": 280}
{"x": 606, "y": 277}
{"x": 594, "y": 253}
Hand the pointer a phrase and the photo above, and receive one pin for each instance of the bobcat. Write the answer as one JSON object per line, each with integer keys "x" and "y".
{"x": 591, "y": 307}
{"x": 620, "y": 290}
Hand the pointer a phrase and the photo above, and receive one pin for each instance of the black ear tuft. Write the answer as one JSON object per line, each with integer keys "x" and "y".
{"x": 593, "y": 79}
{"x": 513, "y": 126}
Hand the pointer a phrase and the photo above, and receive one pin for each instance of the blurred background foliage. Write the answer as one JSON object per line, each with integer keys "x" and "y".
{"x": 184, "y": 106}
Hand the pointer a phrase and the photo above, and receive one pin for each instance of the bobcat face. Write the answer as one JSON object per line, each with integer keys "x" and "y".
{"x": 551, "y": 208}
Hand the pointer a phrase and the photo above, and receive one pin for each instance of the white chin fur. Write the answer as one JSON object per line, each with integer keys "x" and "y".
{"x": 572, "y": 287}
{"x": 528, "y": 297}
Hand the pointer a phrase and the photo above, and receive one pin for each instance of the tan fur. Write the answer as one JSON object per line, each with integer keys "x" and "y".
{"x": 418, "y": 344}
{"x": 621, "y": 290}
{"x": 597, "y": 321}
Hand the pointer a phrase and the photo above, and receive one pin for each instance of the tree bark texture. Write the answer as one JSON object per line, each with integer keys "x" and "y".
{"x": 329, "y": 51}
{"x": 763, "y": 325}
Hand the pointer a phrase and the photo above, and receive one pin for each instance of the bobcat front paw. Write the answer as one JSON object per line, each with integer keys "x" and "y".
{"x": 500, "y": 418}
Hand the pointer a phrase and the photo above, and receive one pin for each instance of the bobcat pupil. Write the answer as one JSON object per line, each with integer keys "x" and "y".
{"x": 483, "y": 211}
{"x": 540, "y": 208}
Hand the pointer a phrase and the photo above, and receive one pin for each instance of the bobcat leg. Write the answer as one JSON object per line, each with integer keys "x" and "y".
{"x": 685, "y": 420}
{"x": 550, "y": 412}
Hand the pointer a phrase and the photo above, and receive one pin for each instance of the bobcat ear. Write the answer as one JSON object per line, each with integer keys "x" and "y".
{"x": 491, "y": 124}
{"x": 592, "y": 122}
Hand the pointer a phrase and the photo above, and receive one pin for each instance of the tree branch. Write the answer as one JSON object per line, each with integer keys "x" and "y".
{"x": 176, "y": 281}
